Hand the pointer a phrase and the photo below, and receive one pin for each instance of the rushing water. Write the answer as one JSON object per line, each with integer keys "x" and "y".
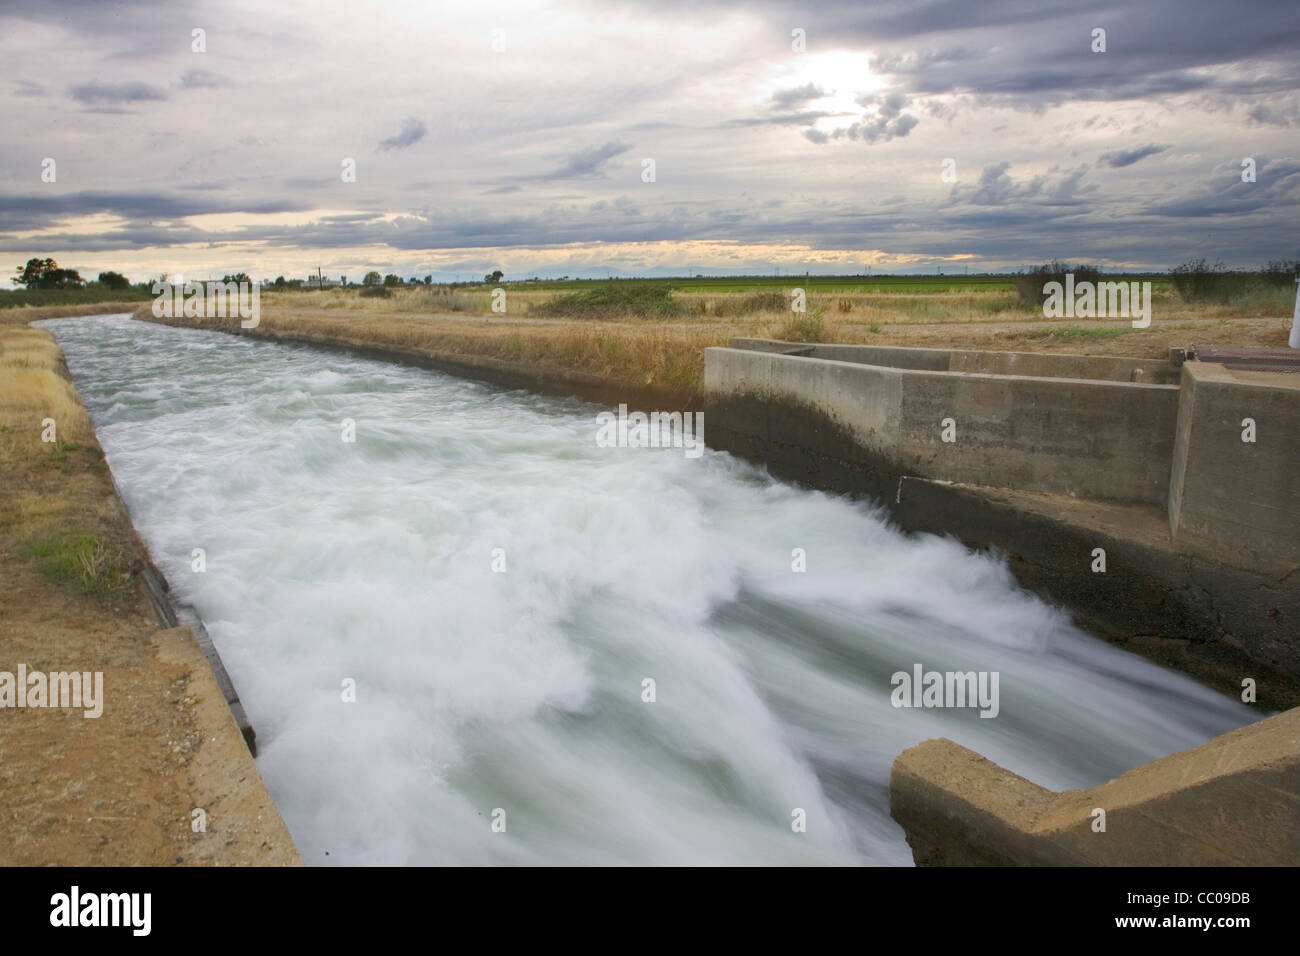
{"x": 523, "y": 690}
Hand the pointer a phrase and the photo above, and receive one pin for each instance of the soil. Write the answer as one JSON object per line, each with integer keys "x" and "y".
{"x": 119, "y": 789}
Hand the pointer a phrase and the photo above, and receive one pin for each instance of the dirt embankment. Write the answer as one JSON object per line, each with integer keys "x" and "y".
{"x": 122, "y": 788}
{"x": 28, "y": 313}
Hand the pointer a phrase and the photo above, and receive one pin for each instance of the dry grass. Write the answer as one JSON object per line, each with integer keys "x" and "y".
{"x": 33, "y": 389}
{"x": 632, "y": 350}
{"x": 54, "y": 512}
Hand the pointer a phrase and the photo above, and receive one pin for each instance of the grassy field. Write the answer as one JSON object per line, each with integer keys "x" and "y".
{"x": 91, "y": 293}
{"x": 654, "y": 333}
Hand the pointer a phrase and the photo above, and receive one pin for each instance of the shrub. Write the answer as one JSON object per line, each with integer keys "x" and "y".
{"x": 803, "y": 327}
{"x": 1029, "y": 285}
{"x": 1198, "y": 281}
{"x": 376, "y": 292}
{"x": 1281, "y": 272}
{"x": 86, "y": 561}
{"x": 767, "y": 301}
{"x": 613, "y": 299}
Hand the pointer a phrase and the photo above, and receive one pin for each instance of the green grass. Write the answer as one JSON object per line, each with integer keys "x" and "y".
{"x": 82, "y": 560}
{"x": 92, "y": 292}
{"x": 823, "y": 284}
{"x": 920, "y": 284}
{"x": 803, "y": 327}
{"x": 614, "y": 299}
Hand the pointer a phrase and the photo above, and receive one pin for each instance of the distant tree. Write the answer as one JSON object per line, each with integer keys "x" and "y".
{"x": 428, "y": 280}
{"x": 279, "y": 283}
{"x": 114, "y": 280}
{"x": 372, "y": 278}
{"x": 392, "y": 280}
{"x": 343, "y": 281}
{"x": 46, "y": 274}
{"x": 237, "y": 277}
{"x": 493, "y": 277}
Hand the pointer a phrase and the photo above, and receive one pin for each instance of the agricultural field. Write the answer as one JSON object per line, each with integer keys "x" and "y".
{"x": 654, "y": 331}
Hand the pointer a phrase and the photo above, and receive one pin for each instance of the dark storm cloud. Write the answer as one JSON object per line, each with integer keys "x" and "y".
{"x": 877, "y": 129}
{"x": 107, "y": 94}
{"x": 996, "y": 187}
{"x": 587, "y": 163}
{"x": 1276, "y": 189}
{"x": 32, "y": 212}
{"x": 1040, "y": 50}
{"x": 1127, "y": 157}
{"x": 796, "y": 96}
{"x": 411, "y": 133}
{"x": 202, "y": 80}
{"x": 805, "y": 118}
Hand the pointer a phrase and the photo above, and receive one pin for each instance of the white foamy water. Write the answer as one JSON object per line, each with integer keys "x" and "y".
{"x": 523, "y": 690}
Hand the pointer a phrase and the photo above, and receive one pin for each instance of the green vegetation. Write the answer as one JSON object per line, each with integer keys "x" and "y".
{"x": 614, "y": 299}
{"x": 46, "y": 274}
{"x": 1269, "y": 289}
{"x": 1069, "y": 332}
{"x": 87, "y": 294}
{"x": 115, "y": 281}
{"x": 44, "y": 283}
{"x": 895, "y": 285}
{"x": 1030, "y": 284}
{"x": 85, "y": 561}
{"x": 803, "y": 327}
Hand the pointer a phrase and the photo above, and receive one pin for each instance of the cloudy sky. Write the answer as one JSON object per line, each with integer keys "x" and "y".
{"x": 800, "y": 137}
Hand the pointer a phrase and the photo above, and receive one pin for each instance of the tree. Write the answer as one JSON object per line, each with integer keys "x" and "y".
{"x": 114, "y": 280}
{"x": 391, "y": 280}
{"x": 428, "y": 280}
{"x": 46, "y": 274}
{"x": 372, "y": 278}
{"x": 493, "y": 277}
{"x": 237, "y": 277}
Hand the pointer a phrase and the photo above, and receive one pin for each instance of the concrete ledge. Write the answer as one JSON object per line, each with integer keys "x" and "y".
{"x": 1092, "y": 438}
{"x": 1109, "y": 368}
{"x": 1231, "y": 802}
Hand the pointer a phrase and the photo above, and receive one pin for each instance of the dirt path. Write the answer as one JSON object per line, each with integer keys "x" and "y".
{"x": 121, "y": 788}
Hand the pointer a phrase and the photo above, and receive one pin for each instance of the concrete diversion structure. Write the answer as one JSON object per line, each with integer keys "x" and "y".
{"x": 1183, "y": 473}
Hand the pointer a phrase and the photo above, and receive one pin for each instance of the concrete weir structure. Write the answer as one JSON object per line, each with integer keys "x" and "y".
{"x": 1156, "y": 500}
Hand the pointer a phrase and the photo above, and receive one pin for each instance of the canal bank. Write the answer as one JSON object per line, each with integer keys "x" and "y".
{"x": 162, "y": 776}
